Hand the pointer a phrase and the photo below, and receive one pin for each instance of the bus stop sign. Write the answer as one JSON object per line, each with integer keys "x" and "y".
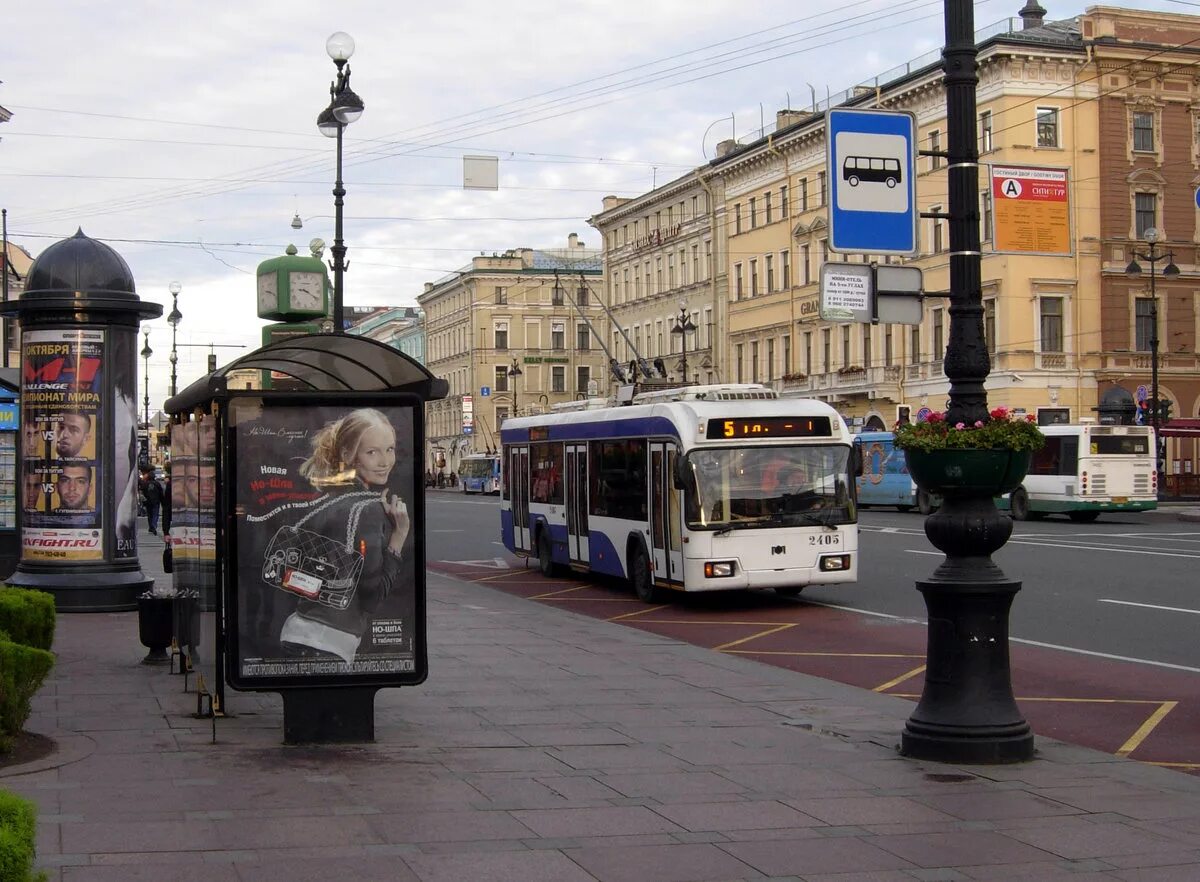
{"x": 872, "y": 175}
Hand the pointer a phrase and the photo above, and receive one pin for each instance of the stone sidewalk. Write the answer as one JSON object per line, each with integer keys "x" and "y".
{"x": 549, "y": 747}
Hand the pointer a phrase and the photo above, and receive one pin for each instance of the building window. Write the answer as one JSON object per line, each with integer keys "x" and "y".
{"x": 501, "y": 415}
{"x": 737, "y": 218}
{"x": 558, "y": 378}
{"x": 845, "y": 346}
{"x": 670, "y": 272}
{"x": 1052, "y": 324}
{"x": 558, "y": 333}
{"x": 826, "y": 350}
{"x": 989, "y": 324}
{"x": 737, "y": 281}
{"x": 1047, "y": 126}
{"x": 500, "y": 383}
{"x": 738, "y": 363}
{"x": 939, "y": 341}
{"x": 935, "y": 144}
{"x": 754, "y": 361}
{"x": 767, "y": 207}
{"x": 985, "y": 132}
{"x": 556, "y": 296}
{"x": 824, "y": 251}
{"x": 770, "y": 359}
{"x": 769, "y": 265}
{"x": 783, "y": 201}
{"x": 804, "y": 260}
{"x": 787, "y": 353}
{"x": 501, "y": 295}
{"x": 1145, "y": 207}
{"x": 914, "y": 345}
{"x": 889, "y": 355}
{"x": 785, "y": 269}
{"x": 583, "y": 376}
{"x": 1143, "y": 317}
{"x": 866, "y": 341}
{"x": 821, "y": 183}
{"x": 583, "y": 337}
{"x": 658, "y": 276}
{"x": 1143, "y": 132}
{"x": 695, "y": 207}
{"x": 808, "y": 353}
{"x": 938, "y": 230}
{"x": 804, "y": 194}
{"x": 695, "y": 263}
{"x": 753, "y": 278}
{"x": 581, "y": 296}
{"x": 753, "y": 213}
{"x": 500, "y": 332}
{"x": 985, "y": 215}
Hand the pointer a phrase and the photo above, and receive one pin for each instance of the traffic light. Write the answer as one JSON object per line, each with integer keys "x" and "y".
{"x": 1164, "y": 410}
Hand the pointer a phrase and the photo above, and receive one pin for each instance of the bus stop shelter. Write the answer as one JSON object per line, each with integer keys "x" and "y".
{"x": 297, "y": 529}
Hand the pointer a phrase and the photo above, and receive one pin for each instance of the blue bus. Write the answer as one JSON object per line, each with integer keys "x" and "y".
{"x": 705, "y": 488}
{"x": 884, "y": 479}
{"x": 480, "y": 473}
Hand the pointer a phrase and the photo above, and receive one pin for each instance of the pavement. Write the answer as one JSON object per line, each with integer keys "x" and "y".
{"x": 551, "y": 747}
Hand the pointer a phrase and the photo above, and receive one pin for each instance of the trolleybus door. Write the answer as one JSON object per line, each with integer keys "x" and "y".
{"x": 665, "y": 537}
{"x": 577, "y": 503}
{"x": 518, "y": 470}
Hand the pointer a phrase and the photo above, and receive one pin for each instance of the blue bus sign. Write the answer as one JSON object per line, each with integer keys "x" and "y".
{"x": 872, "y": 174}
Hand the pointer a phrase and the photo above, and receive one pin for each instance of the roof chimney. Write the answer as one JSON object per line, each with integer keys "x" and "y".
{"x": 787, "y": 117}
{"x": 1032, "y": 14}
{"x": 573, "y": 241}
{"x": 724, "y": 148}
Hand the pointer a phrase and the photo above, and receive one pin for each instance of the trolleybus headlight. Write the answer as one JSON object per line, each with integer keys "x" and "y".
{"x": 715, "y": 569}
{"x": 833, "y": 562}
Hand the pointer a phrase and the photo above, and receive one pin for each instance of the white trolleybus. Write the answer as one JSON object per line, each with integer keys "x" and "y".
{"x": 1085, "y": 470}
{"x": 703, "y": 488}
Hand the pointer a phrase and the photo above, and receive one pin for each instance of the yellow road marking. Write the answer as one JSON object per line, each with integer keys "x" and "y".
{"x": 1172, "y": 765}
{"x": 637, "y": 612}
{"x": 765, "y": 633}
{"x": 1146, "y": 728}
{"x": 884, "y": 687}
{"x": 554, "y": 593}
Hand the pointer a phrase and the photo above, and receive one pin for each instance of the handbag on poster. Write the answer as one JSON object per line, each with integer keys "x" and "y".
{"x": 314, "y": 566}
{"x": 168, "y": 561}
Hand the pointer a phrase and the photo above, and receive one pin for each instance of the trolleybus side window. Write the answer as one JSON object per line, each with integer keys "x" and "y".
{"x": 546, "y": 472}
{"x": 618, "y": 478}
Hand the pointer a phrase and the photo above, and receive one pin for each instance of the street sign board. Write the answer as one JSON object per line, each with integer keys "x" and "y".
{"x": 846, "y": 292}
{"x": 872, "y": 174}
{"x": 485, "y": 391}
{"x": 1030, "y": 210}
{"x": 468, "y": 414}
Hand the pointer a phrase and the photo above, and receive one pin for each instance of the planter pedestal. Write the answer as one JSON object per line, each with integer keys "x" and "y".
{"x": 967, "y": 713}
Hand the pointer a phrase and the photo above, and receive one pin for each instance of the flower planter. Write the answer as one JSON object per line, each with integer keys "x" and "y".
{"x": 967, "y": 471}
{"x": 155, "y": 627}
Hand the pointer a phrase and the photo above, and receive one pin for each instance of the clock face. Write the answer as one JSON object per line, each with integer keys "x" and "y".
{"x": 306, "y": 291}
{"x": 267, "y": 293}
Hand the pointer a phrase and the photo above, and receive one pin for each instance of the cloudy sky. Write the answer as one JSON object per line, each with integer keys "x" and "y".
{"x": 183, "y": 134}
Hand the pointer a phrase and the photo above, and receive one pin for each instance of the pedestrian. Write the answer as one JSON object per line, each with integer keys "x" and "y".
{"x": 152, "y": 492}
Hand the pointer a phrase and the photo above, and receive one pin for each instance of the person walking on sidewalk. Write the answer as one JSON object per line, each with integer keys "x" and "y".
{"x": 153, "y": 494}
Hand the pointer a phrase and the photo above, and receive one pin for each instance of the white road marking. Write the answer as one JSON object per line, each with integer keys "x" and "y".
{"x": 496, "y": 563}
{"x": 1038, "y": 643}
{"x": 915, "y": 551}
{"x": 1152, "y": 606}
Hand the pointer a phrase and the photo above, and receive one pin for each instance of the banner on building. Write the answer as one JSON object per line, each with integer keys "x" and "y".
{"x": 1031, "y": 210}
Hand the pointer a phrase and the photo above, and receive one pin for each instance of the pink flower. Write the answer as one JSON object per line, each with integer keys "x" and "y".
{"x": 1000, "y": 413}
{"x": 960, "y": 425}
{"x": 979, "y": 424}
{"x": 1030, "y": 418}
{"x": 935, "y": 417}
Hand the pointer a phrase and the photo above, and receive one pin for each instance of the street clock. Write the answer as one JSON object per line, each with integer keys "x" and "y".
{"x": 292, "y": 288}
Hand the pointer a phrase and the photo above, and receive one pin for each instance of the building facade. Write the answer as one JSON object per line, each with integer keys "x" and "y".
{"x": 514, "y": 333}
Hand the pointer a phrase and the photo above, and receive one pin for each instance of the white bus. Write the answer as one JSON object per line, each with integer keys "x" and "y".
{"x": 480, "y": 473}
{"x": 1087, "y": 469}
{"x": 705, "y": 488}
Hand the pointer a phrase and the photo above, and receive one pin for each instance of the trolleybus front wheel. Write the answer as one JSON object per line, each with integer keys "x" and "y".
{"x": 642, "y": 578}
{"x": 789, "y": 590}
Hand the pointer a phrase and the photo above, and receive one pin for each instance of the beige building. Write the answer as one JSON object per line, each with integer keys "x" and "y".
{"x": 665, "y": 285}
{"x": 1041, "y": 314}
{"x": 511, "y": 333}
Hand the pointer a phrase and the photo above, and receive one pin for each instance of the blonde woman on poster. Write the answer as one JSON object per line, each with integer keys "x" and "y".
{"x": 355, "y": 532}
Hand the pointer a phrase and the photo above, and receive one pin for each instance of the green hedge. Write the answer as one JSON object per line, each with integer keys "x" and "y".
{"x": 27, "y": 616}
{"x": 18, "y": 820}
{"x": 22, "y": 670}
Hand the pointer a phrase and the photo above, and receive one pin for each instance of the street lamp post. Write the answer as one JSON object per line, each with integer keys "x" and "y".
{"x": 344, "y": 108}
{"x": 146, "y": 353}
{"x": 1153, "y": 256}
{"x": 683, "y": 324}
{"x": 967, "y": 711}
{"x": 174, "y": 318}
{"x": 514, "y": 372}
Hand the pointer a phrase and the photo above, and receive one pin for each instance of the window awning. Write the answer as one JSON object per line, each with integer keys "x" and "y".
{"x": 1182, "y": 428}
{"x": 324, "y": 363}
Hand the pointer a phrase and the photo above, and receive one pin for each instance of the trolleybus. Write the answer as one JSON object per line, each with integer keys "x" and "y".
{"x": 1088, "y": 469}
{"x": 704, "y": 488}
{"x": 480, "y": 473}
{"x": 884, "y": 479}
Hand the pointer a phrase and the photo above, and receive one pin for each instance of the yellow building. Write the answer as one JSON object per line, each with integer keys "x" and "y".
{"x": 511, "y": 333}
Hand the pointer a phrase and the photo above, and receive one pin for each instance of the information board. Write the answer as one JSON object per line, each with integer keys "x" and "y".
{"x": 1030, "y": 210}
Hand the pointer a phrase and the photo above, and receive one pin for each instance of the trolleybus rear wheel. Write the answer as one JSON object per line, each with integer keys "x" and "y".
{"x": 1019, "y": 505}
{"x": 546, "y": 564}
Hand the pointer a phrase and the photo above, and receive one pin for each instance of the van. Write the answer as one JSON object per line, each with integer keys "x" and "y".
{"x": 884, "y": 478}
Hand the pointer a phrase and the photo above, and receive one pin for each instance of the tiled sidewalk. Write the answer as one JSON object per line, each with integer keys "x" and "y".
{"x": 547, "y": 746}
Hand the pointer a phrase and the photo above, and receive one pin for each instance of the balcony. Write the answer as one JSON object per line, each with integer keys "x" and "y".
{"x": 1052, "y": 360}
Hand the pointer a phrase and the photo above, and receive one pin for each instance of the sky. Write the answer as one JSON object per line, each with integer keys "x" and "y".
{"x": 184, "y": 134}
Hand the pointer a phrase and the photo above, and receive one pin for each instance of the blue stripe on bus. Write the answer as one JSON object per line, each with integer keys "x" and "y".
{"x": 624, "y": 428}
{"x": 603, "y": 555}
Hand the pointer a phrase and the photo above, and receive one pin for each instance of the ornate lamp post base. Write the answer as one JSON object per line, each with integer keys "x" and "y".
{"x": 967, "y": 713}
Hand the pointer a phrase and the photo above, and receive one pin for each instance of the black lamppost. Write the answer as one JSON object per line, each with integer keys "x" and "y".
{"x": 683, "y": 324}
{"x": 514, "y": 372}
{"x": 344, "y": 108}
{"x": 174, "y": 318}
{"x": 1153, "y": 256}
{"x": 146, "y": 353}
{"x": 967, "y": 712}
